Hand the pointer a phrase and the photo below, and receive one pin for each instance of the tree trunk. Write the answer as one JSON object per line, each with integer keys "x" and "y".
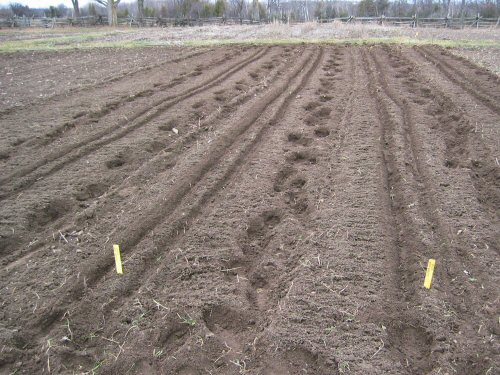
{"x": 115, "y": 13}
{"x": 76, "y": 8}
{"x": 462, "y": 14}
{"x": 255, "y": 10}
{"x": 110, "y": 12}
{"x": 140, "y": 10}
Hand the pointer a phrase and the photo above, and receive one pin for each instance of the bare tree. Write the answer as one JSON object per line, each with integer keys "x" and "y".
{"x": 462, "y": 14}
{"x": 76, "y": 8}
{"x": 220, "y": 8}
{"x": 140, "y": 10}
{"x": 20, "y": 10}
{"x": 239, "y": 8}
{"x": 112, "y": 6}
{"x": 254, "y": 10}
{"x": 274, "y": 9}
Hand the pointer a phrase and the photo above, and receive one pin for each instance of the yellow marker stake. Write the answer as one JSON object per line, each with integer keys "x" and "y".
{"x": 118, "y": 259}
{"x": 429, "y": 273}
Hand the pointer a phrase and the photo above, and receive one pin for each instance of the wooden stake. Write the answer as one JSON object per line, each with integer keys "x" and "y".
{"x": 118, "y": 259}
{"x": 429, "y": 273}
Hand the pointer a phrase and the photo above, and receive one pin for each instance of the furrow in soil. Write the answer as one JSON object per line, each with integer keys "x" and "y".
{"x": 486, "y": 95}
{"x": 433, "y": 236}
{"x": 275, "y": 217}
{"x": 110, "y": 134}
{"x": 162, "y": 154}
{"x": 216, "y": 152}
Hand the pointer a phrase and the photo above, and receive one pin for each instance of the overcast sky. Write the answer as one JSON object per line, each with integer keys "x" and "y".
{"x": 45, "y": 3}
{"x": 42, "y": 3}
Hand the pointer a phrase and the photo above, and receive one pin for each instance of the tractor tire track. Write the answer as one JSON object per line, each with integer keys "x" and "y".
{"x": 104, "y": 82}
{"x": 284, "y": 229}
{"x": 169, "y": 205}
{"x": 481, "y": 79}
{"x": 441, "y": 245}
{"x": 172, "y": 237}
{"x": 457, "y": 77}
{"x": 406, "y": 331}
{"x": 80, "y": 149}
{"x": 460, "y": 144}
{"x": 110, "y": 106}
{"x": 298, "y": 187}
{"x": 155, "y": 165}
{"x": 88, "y": 118}
{"x": 464, "y": 141}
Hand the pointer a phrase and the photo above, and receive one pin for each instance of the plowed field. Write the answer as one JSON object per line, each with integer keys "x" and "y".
{"x": 276, "y": 207}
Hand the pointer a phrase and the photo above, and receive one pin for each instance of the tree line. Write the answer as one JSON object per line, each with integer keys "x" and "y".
{"x": 291, "y": 10}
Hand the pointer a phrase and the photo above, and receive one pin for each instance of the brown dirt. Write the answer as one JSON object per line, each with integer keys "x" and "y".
{"x": 488, "y": 58}
{"x": 283, "y": 229}
{"x": 35, "y": 77}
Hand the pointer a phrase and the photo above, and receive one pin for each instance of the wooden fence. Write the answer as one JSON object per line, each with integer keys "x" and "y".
{"x": 475, "y": 22}
{"x": 131, "y": 22}
{"x": 454, "y": 23}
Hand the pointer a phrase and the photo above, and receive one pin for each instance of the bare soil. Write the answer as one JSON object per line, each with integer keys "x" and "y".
{"x": 275, "y": 206}
{"x": 488, "y": 58}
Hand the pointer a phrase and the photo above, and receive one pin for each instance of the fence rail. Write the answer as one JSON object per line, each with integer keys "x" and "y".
{"x": 445, "y": 22}
{"x": 475, "y": 22}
